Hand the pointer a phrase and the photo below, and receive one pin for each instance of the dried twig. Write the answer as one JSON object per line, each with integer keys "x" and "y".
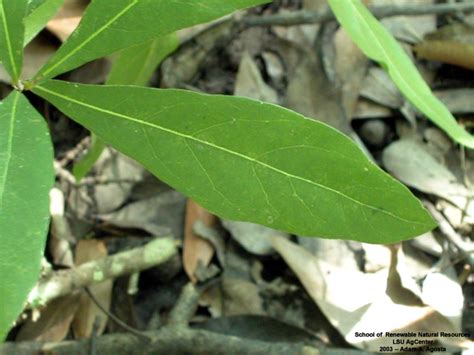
{"x": 312, "y": 17}
{"x": 75, "y": 152}
{"x": 117, "y": 320}
{"x": 63, "y": 282}
{"x": 185, "y": 306}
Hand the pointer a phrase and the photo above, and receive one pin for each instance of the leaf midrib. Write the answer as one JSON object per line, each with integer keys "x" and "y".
{"x": 84, "y": 43}
{"x": 9, "y": 148}
{"x": 186, "y": 136}
{"x": 8, "y": 41}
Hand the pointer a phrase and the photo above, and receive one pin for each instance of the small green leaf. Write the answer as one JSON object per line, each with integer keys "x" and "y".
{"x": 12, "y": 31}
{"x": 133, "y": 66}
{"x": 378, "y": 44}
{"x": 247, "y": 160}
{"x": 38, "y": 17}
{"x": 136, "y": 65}
{"x": 26, "y": 176}
{"x": 83, "y": 166}
{"x": 108, "y": 26}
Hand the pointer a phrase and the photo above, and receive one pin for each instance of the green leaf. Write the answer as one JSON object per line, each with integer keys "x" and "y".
{"x": 378, "y": 44}
{"x": 133, "y": 66}
{"x": 33, "y": 5}
{"x": 108, "y": 26}
{"x": 83, "y": 166}
{"x": 26, "y": 176}
{"x": 247, "y": 160}
{"x": 136, "y": 65}
{"x": 39, "y": 17}
{"x": 12, "y": 31}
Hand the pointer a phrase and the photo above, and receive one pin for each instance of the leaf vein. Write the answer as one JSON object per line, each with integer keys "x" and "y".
{"x": 211, "y": 181}
{"x": 262, "y": 187}
{"x": 11, "y": 128}
{"x": 8, "y": 40}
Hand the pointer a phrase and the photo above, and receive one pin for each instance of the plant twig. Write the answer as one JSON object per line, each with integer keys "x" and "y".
{"x": 75, "y": 152}
{"x": 186, "y": 305}
{"x": 63, "y": 282}
{"x": 304, "y": 17}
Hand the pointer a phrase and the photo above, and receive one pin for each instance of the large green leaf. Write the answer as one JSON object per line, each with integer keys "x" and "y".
{"x": 108, "y": 26}
{"x": 39, "y": 16}
{"x": 378, "y": 44}
{"x": 132, "y": 66}
{"x": 11, "y": 35}
{"x": 26, "y": 176}
{"x": 247, "y": 160}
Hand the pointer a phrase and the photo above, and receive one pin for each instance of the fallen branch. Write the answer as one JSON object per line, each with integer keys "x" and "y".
{"x": 63, "y": 282}
{"x": 313, "y": 17}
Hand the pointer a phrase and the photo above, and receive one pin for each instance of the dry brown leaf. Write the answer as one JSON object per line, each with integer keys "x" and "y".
{"x": 327, "y": 92}
{"x": 379, "y": 88}
{"x": 183, "y": 65}
{"x": 414, "y": 163}
{"x": 252, "y": 237}
{"x": 357, "y": 302}
{"x": 88, "y": 313}
{"x": 250, "y": 83}
{"x": 457, "y": 100}
{"x": 368, "y": 109}
{"x": 234, "y": 296}
{"x": 67, "y": 19}
{"x": 159, "y": 215}
{"x": 54, "y": 322}
{"x": 409, "y": 29}
{"x": 351, "y": 67}
{"x": 311, "y": 94}
{"x": 196, "y": 250}
{"x": 453, "y": 44}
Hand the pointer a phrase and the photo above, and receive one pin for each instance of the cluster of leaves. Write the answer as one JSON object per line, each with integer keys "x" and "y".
{"x": 241, "y": 159}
